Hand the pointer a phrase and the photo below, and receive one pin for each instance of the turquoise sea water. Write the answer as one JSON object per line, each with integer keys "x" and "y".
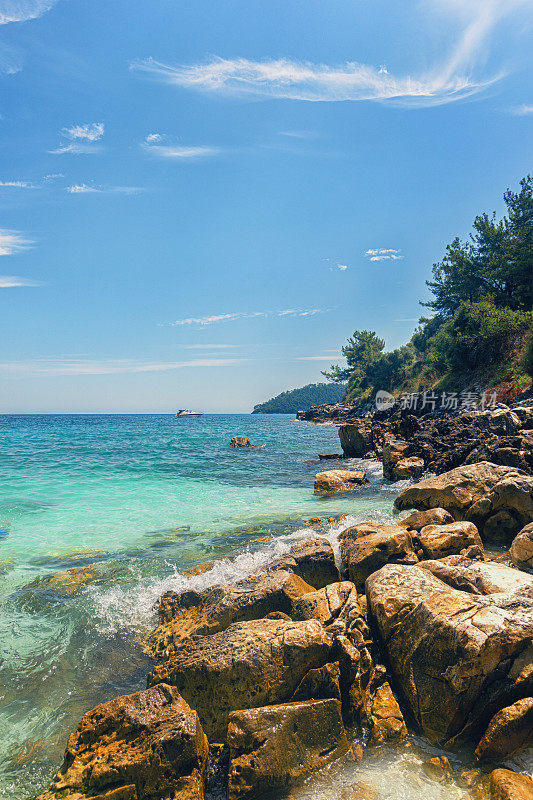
{"x": 123, "y": 504}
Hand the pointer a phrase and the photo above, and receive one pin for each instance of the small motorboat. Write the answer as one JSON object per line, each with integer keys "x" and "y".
{"x": 184, "y": 412}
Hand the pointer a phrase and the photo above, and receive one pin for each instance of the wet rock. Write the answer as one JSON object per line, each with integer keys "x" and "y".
{"x": 364, "y": 791}
{"x": 497, "y": 499}
{"x": 190, "y": 612}
{"x": 144, "y": 746}
{"x": 387, "y": 723}
{"x": 276, "y": 747}
{"x": 240, "y": 441}
{"x": 356, "y": 438}
{"x": 478, "y": 577}
{"x": 248, "y": 665}
{"x": 469, "y": 778}
{"x": 508, "y": 785}
{"x": 393, "y": 451}
{"x": 338, "y": 480}
{"x": 508, "y": 731}
{"x": 319, "y": 684}
{"x": 439, "y": 541}
{"x": 438, "y": 768}
{"x": 368, "y": 546}
{"x": 432, "y": 516}
{"x": 313, "y": 560}
{"x": 457, "y": 657}
{"x": 406, "y": 468}
{"x": 522, "y": 548}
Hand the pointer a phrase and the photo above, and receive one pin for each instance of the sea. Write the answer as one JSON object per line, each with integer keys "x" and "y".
{"x": 101, "y": 514}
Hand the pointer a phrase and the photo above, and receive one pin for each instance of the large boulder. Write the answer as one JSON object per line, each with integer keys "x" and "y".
{"x": 522, "y": 548}
{"x": 508, "y": 731}
{"x": 478, "y": 577}
{"x": 249, "y": 664}
{"x": 338, "y": 480}
{"x": 419, "y": 519}
{"x": 313, "y": 560}
{"x": 505, "y": 784}
{"x": 356, "y": 438}
{"x": 497, "y": 499}
{"x": 439, "y": 541}
{"x": 274, "y": 748}
{"x": 214, "y": 609}
{"x": 457, "y": 657}
{"x": 144, "y": 746}
{"x": 368, "y": 546}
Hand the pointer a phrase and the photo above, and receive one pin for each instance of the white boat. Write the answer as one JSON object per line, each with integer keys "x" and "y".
{"x": 184, "y": 412}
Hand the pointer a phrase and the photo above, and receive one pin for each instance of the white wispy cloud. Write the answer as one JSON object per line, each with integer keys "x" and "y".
{"x": 161, "y": 145}
{"x": 211, "y": 320}
{"x": 382, "y": 254}
{"x": 86, "y": 188}
{"x": 80, "y": 139}
{"x": 23, "y": 10}
{"x": 76, "y": 366}
{"x": 522, "y": 110}
{"x": 342, "y": 267}
{"x": 13, "y": 242}
{"x": 453, "y": 78}
{"x": 298, "y": 134}
{"x": 19, "y": 185}
{"x": 12, "y": 281}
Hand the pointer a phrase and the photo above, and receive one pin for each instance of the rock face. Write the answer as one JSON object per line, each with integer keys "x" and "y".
{"x": 240, "y": 441}
{"x": 439, "y": 541}
{"x": 250, "y": 664}
{"x": 338, "y": 480}
{"x": 274, "y": 748}
{"x": 393, "y": 451}
{"x": 498, "y": 500}
{"x": 478, "y": 577}
{"x": 144, "y": 746}
{"x": 457, "y": 657}
{"x": 313, "y": 560}
{"x": 183, "y": 615}
{"x": 509, "y": 730}
{"x": 356, "y": 438}
{"x": 368, "y": 546}
{"x": 508, "y": 785}
{"x": 522, "y": 548}
{"x": 405, "y": 468}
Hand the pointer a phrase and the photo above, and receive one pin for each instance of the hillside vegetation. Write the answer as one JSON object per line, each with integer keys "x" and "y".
{"x": 314, "y": 394}
{"x": 479, "y": 333}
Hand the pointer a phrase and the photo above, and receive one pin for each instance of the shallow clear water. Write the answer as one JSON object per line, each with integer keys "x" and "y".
{"x": 124, "y": 503}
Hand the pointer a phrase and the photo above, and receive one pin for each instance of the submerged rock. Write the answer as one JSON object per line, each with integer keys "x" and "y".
{"x": 497, "y": 499}
{"x": 366, "y": 547}
{"x": 144, "y": 746}
{"x": 276, "y": 747}
{"x": 190, "y": 612}
{"x": 508, "y": 731}
{"x": 457, "y": 657}
{"x": 248, "y": 665}
{"x": 338, "y": 480}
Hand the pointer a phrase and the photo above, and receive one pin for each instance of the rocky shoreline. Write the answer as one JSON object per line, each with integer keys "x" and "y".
{"x": 327, "y": 655}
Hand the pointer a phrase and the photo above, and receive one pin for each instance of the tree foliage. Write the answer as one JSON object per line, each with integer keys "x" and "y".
{"x": 314, "y": 394}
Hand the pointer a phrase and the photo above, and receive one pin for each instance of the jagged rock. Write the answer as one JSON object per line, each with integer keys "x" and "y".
{"x": 321, "y": 683}
{"x": 240, "y": 441}
{"x": 478, "y": 577}
{"x": 432, "y": 516}
{"x": 276, "y": 747}
{"x": 498, "y": 500}
{"x": 368, "y": 546}
{"x": 143, "y": 746}
{"x": 457, "y": 657}
{"x": 214, "y": 609}
{"x": 393, "y": 451}
{"x": 338, "y": 480}
{"x": 249, "y": 664}
{"x": 356, "y": 438}
{"x": 508, "y": 785}
{"x": 522, "y": 548}
{"x": 386, "y": 717}
{"x": 313, "y": 560}
{"x": 405, "y": 468}
{"x": 326, "y": 604}
{"x": 439, "y": 541}
{"x": 508, "y": 731}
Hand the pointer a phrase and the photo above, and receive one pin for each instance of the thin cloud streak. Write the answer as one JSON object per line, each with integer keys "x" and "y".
{"x": 84, "y": 188}
{"x": 382, "y": 254}
{"x": 522, "y": 111}
{"x": 160, "y": 145}
{"x": 13, "y": 242}
{"x": 13, "y": 281}
{"x": 18, "y": 185}
{"x": 23, "y": 10}
{"x": 211, "y": 320}
{"x": 56, "y": 367}
{"x": 81, "y": 138}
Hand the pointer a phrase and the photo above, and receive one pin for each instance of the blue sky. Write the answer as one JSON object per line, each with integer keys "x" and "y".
{"x": 201, "y": 201}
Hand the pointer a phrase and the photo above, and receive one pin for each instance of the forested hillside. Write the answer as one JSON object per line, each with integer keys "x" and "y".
{"x": 479, "y": 328}
{"x": 313, "y": 394}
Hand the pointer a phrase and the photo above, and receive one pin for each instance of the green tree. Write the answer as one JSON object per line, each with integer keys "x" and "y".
{"x": 361, "y": 350}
